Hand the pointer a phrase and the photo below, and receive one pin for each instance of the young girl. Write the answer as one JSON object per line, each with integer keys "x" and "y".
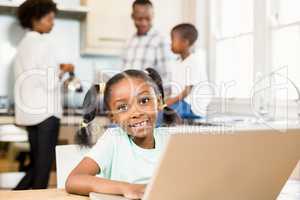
{"x": 126, "y": 156}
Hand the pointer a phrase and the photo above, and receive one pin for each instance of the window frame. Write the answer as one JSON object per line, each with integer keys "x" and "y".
{"x": 262, "y": 55}
{"x": 261, "y": 39}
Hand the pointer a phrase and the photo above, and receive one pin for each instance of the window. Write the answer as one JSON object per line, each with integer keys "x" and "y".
{"x": 287, "y": 11}
{"x": 250, "y": 37}
{"x": 285, "y": 45}
{"x": 232, "y": 44}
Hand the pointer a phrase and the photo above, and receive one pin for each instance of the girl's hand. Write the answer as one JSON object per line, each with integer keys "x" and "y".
{"x": 134, "y": 191}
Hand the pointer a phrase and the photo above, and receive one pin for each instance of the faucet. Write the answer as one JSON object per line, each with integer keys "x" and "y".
{"x": 296, "y": 88}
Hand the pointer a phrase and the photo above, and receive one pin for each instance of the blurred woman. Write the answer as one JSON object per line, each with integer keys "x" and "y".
{"x": 38, "y": 104}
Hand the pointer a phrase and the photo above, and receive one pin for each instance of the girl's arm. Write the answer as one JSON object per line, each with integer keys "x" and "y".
{"x": 82, "y": 180}
{"x": 172, "y": 100}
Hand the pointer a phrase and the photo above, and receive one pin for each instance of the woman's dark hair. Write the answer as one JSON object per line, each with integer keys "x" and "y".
{"x": 187, "y": 31}
{"x": 91, "y": 105}
{"x": 34, "y": 10}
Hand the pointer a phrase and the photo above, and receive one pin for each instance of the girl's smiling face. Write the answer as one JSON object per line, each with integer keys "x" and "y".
{"x": 134, "y": 105}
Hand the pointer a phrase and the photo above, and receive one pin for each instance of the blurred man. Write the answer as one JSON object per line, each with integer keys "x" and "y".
{"x": 147, "y": 48}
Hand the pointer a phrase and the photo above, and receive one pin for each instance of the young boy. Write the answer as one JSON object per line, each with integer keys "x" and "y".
{"x": 189, "y": 79}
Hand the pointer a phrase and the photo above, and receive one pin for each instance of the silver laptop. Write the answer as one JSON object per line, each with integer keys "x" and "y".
{"x": 244, "y": 166}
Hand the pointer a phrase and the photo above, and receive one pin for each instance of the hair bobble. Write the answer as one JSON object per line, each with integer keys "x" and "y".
{"x": 164, "y": 106}
{"x": 102, "y": 88}
{"x": 83, "y": 124}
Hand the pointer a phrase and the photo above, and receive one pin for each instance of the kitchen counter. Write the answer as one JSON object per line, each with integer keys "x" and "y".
{"x": 71, "y": 116}
{"x": 72, "y": 120}
{"x": 68, "y": 126}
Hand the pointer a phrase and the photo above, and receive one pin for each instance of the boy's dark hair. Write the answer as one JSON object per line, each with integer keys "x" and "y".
{"x": 34, "y": 9}
{"x": 142, "y": 2}
{"x": 91, "y": 104}
{"x": 187, "y": 31}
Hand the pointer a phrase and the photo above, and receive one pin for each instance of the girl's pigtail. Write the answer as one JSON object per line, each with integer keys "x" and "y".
{"x": 170, "y": 117}
{"x": 90, "y": 108}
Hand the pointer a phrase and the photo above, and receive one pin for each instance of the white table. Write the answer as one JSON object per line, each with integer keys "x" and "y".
{"x": 290, "y": 192}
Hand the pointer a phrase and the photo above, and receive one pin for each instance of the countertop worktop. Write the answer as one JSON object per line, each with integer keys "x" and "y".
{"x": 65, "y": 120}
{"x": 69, "y": 125}
{"x": 71, "y": 116}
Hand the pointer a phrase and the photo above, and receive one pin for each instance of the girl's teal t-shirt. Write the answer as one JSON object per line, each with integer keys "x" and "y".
{"x": 120, "y": 159}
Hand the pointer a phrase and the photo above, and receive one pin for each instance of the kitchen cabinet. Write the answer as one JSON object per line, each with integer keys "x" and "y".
{"x": 108, "y": 24}
{"x": 64, "y": 11}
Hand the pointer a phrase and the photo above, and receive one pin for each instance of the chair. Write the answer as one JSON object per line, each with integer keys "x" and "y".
{"x": 67, "y": 157}
{"x": 12, "y": 134}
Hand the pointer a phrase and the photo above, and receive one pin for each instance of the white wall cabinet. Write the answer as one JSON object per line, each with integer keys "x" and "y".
{"x": 65, "y": 10}
{"x": 108, "y": 24}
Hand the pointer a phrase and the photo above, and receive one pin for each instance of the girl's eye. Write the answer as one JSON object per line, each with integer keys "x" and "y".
{"x": 122, "y": 107}
{"x": 144, "y": 100}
